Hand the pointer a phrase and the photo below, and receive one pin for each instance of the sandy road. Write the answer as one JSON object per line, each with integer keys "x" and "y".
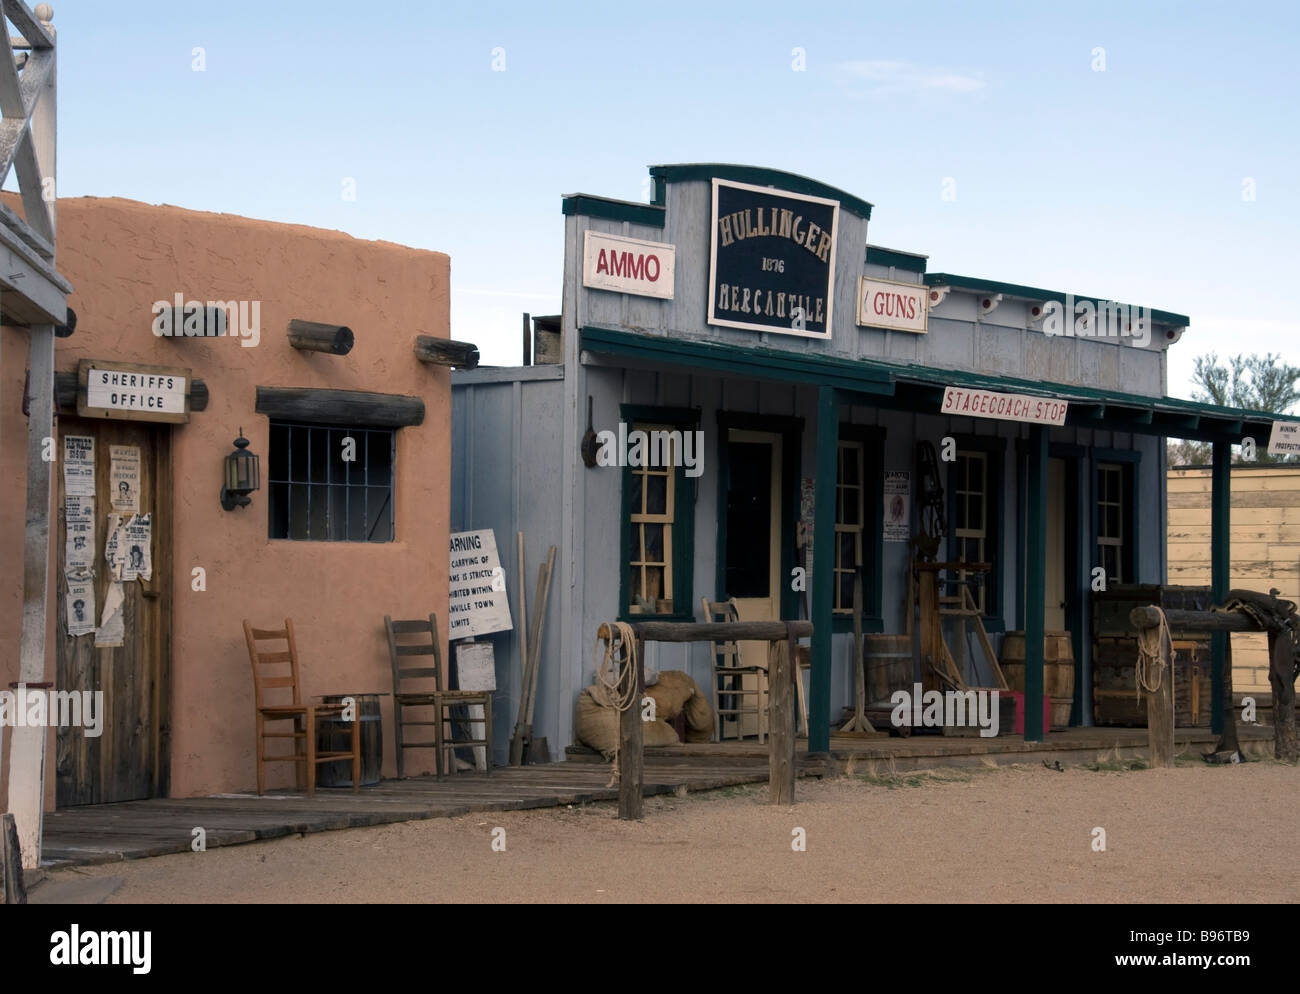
{"x": 1193, "y": 834}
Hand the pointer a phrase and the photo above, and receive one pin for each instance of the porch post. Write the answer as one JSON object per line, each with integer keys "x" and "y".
{"x": 828, "y": 433}
{"x": 1220, "y": 580}
{"x": 1035, "y": 567}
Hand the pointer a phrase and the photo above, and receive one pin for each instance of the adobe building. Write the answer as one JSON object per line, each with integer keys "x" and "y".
{"x": 850, "y": 404}
{"x": 303, "y": 342}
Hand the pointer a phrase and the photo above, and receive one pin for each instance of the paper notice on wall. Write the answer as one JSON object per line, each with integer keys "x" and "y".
{"x": 898, "y": 506}
{"x": 113, "y": 561}
{"x": 79, "y": 547}
{"x": 79, "y": 465}
{"x": 134, "y": 547}
{"x": 476, "y": 666}
{"x": 124, "y": 478}
{"x": 112, "y": 627}
{"x": 81, "y": 606}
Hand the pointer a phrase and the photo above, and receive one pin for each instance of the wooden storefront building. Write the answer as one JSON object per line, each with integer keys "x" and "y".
{"x": 750, "y": 306}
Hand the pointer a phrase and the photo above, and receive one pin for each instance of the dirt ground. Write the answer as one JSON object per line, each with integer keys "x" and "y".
{"x": 1192, "y": 834}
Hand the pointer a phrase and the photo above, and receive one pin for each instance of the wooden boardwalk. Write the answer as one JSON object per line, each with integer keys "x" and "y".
{"x": 106, "y": 833}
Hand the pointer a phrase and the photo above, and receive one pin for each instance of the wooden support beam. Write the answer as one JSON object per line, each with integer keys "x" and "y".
{"x": 65, "y": 393}
{"x": 1220, "y": 579}
{"x": 1035, "y": 581}
{"x": 445, "y": 352}
{"x": 340, "y": 407}
{"x": 27, "y": 745}
{"x": 781, "y": 668}
{"x": 827, "y": 450}
{"x": 631, "y": 752}
{"x": 28, "y": 24}
{"x": 308, "y": 336}
{"x": 12, "y": 889}
{"x": 720, "y": 631}
{"x": 1189, "y": 623}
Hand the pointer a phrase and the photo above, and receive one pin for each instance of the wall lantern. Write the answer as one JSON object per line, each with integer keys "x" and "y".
{"x": 241, "y": 475}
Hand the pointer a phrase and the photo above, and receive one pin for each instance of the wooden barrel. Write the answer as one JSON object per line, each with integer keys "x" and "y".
{"x": 888, "y": 662}
{"x": 335, "y": 735}
{"x": 1058, "y": 670}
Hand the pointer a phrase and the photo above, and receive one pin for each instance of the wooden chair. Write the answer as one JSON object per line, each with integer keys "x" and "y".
{"x": 405, "y": 695}
{"x": 727, "y": 680}
{"x": 302, "y": 715}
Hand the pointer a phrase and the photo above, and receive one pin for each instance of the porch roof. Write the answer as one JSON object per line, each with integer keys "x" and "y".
{"x": 919, "y": 388}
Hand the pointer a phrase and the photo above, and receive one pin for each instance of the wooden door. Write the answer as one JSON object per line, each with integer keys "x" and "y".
{"x": 753, "y": 554}
{"x": 1054, "y": 587}
{"x": 128, "y": 759}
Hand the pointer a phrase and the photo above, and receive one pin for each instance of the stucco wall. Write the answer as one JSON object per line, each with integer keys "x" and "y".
{"x": 121, "y": 256}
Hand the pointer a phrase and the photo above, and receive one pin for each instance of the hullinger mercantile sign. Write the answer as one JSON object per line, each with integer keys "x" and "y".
{"x": 772, "y": 263}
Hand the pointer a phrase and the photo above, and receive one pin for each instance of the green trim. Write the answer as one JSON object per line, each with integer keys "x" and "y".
{"x": 819, "y": 693}
{"x": 873, "y": 469}
{"x": 917, "y": 388}
{"x": 689, "y": 172}
{"x": 1035, "y": 579}
{"x": 995, "y": 446}
{"x": 761, "y": 363}
{"x": 877, "y": 256}
{"x": 1036, "y": 293}
{"x": 1220, "y": 574}
{"x": 684, "y": 497}
{"x": 791, "y": 431}
{"x": 646, "y": 215}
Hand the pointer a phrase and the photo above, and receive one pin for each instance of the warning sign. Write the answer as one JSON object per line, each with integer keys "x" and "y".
{"x": 476, "y": 587}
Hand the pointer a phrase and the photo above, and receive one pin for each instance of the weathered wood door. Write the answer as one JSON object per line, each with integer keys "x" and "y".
{"x": 753, "y": 554}
{"x": 128, "y": 759}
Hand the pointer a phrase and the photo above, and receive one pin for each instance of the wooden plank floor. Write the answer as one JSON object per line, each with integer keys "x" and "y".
{"x": 106, "y": 833}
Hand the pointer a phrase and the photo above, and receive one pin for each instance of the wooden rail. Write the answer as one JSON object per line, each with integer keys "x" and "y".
{"x": 781, "y": 699}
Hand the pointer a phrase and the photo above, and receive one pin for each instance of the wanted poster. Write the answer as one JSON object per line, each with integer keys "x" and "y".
{"x": 81, "y": 606}
{"x": 79, "y": 546}
{"x": 134, "y": 547}
{"x": 79, "y": 466}
{"x": 112, "y": 545}
{"x": 124, "y": 478}
{"x": 112, "y": 626}
{"x": 898, "y": 506}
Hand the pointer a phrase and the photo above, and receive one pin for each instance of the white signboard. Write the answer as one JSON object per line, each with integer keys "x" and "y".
{"x": 628, "y": 265}
{"x": 141, "y": 393}
{"x": 1284, "y": 440}
{"x": 476, "y": 587}
{"x": 896, "y": 306}
{"x": 1003, "y": 406}
{"x": 898, "y": 506}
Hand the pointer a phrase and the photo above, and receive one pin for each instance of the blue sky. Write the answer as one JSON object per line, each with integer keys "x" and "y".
{"x": 1125, "y": 183}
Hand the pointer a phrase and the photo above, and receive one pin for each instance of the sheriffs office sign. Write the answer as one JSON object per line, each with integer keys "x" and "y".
{"x": 772, "y": 261}
{"x": 132, "y": 392}
{"x": 628, "y": 265}
{"x": 1003, "y": 406}
{"x": 892, "y": 305}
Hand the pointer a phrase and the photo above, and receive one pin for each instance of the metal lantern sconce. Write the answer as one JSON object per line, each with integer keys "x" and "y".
{"x": 242, "y": 475}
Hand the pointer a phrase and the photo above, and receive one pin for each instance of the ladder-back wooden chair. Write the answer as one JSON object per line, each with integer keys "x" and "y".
{"x": 732, "y": 697}
{"x": 423, "y": 687}
{"x": 303, "y": 716}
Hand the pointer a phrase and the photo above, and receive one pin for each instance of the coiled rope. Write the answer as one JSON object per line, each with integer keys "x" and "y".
{"x": 1149, "y": 658}
{"x": 615, "y": 684}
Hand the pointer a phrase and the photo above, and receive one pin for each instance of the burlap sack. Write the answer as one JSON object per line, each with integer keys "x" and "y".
{"x": 596, "y": 726}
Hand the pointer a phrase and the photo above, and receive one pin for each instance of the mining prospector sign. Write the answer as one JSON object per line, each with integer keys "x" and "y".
{"x": 772, "y": 261}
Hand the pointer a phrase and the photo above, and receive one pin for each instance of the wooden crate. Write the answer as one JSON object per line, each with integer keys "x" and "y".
{"x": 1115, "y": 702}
